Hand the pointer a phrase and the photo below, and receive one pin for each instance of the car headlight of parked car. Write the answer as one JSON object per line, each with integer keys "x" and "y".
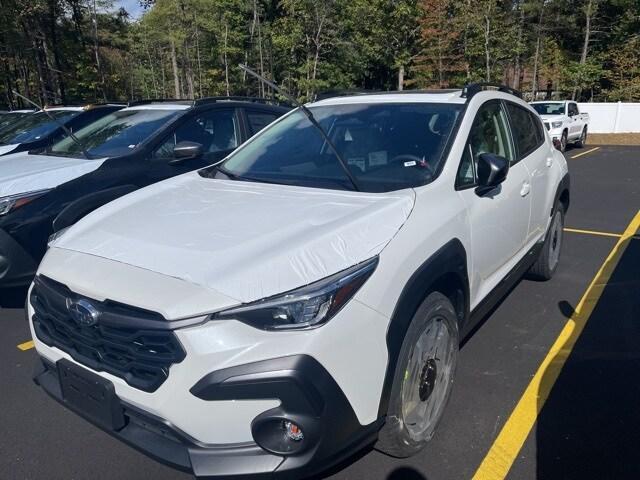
{"x": 309, "y": 306}
{"x": 11, "y": 202}
{"x": 556, "y": 124}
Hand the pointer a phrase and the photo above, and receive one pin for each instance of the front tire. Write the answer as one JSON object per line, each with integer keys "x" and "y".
{"x": 582, "y": 141}
{"x": 423, "y": 378}
{"x": 547, "y": 263}
{"x": 563, "y": 141}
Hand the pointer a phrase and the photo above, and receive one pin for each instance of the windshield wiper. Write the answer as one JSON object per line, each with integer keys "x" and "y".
{"x": 60, "y": 124}
{"x": 311, "y": 118}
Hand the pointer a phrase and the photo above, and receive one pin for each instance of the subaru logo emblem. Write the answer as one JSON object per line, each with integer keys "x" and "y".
{"x": 83, "y": 312}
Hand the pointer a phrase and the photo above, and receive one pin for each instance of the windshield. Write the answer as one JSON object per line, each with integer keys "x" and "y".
{"x": 115, "y": 134}
{"x": 34, "y": 126}
{"x": 549, "y": 108}
{"x": 386, "y": 147}
{"x": 9, "y": 118}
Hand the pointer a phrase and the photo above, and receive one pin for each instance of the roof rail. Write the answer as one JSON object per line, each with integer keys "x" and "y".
{"x": 472, "y": 88}
{"x": 152, "y": 101}
{"x": 345, "y": 93}
{"x": 239, "y": 98}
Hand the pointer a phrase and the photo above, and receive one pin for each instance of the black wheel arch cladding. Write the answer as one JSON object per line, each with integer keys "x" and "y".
{"x": 445, "y": 269}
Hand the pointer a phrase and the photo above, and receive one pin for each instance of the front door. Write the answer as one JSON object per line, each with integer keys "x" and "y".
{"x": 499, "y": 220}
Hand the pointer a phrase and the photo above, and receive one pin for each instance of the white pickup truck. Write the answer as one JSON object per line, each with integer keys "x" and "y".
{"x": 564, "y": 121}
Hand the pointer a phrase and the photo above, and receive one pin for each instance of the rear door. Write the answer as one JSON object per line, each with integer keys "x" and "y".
{"x": 499, "y": 220}
{"x": 533, "y": 151}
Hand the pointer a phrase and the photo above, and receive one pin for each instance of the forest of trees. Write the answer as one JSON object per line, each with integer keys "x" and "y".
{"x": 71, "y": 51}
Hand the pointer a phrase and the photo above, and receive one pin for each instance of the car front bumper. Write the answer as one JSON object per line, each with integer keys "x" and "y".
{"x": 310, "y": 397}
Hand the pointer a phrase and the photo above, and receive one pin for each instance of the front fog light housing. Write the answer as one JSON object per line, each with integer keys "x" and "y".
{"x": 309, "y": 306}
{"x": 293, "y": 431}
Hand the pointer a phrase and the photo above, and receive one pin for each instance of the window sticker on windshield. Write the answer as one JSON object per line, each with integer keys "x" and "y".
{"x": 377, "y": 158}
{"x": 132, "y": 146}
{"x": 358, "y": 162}
{"x": 412, "y": 163}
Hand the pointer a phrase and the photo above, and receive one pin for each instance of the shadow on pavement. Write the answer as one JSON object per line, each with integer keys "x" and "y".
{"x": 589, "y": 427}
{"x": 406, "y": 473}
{"x": 14, "y": 297}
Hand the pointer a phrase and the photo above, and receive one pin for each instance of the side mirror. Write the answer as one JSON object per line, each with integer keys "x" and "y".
{"x": 492, "y": 171}
{"x": 185, "y": 151}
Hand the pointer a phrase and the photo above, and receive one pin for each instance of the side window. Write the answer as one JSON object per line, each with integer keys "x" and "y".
{"x": 258, "y": 120}
{"x": 216, "y": 130}
{"x": 489, "y": 134}
{"x": 573, "y": 109}
{"x": 526, "y": 129}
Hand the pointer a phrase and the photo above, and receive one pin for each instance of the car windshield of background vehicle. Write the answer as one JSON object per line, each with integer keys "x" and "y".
{"x": 10, "y": 118}
{"x": 549, "y": 108}
{"x": 34, "y": 126}
{"x": 116, "y": 134}
{"x": 385, "y": 146}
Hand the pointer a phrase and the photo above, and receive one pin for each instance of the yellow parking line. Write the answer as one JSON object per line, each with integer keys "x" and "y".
{"x": 507, "y": 445}
{"x": 26, "y": 346}
{"x": 593, "y": 232}
{"x": 584, "y": 153}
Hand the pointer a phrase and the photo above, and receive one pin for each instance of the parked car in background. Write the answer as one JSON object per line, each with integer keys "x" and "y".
{"x": 564, "y": 121}
{"x": 7, "y": 118}
{"x": 121, "y": 152}
{"x": 276, "y": 312}
{"x": 37, "y": 130}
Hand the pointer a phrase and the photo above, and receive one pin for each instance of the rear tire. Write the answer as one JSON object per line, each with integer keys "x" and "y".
{"x": 423, "y": 378}
{"x": 582, "y": 141}
{"x": 547, "y": 262}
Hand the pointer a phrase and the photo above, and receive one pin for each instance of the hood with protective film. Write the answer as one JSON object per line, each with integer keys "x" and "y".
{"x": 244, "y": 240}
{"x": 22, "y": 172}
{"x": 4, "y": 149}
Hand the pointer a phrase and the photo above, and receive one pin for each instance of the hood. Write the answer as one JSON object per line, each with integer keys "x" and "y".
{"x": 244, "y": 240}
{"x": 4, "y": 149}
{"x": 552, "y": 118}
{"x": 22, "y": 172}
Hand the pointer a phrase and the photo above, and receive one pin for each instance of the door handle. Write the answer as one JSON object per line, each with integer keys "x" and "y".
{"x": 526, "y": 188}
{"x": 549, "y": 161}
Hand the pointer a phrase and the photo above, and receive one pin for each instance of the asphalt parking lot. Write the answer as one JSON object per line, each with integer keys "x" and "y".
{"x": 547, "y": 388}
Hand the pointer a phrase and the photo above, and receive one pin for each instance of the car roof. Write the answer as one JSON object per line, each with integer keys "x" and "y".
{"x": 552, "y": 101}
{"x": 158, "y": 106}
{"x": 407, "y": 96}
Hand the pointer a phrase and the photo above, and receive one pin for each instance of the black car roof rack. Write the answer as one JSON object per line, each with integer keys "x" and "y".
{"x": 152, "y": 101}
{"x": 472, "y": 88}
{"x": 346, "y": 93}
{"x": 240, "y": 98}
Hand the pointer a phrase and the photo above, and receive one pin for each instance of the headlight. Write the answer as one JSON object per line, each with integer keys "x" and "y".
{"x": 556, "y": 124}
{"x": 305, "y": 307}
{"x": 10, "y": 203}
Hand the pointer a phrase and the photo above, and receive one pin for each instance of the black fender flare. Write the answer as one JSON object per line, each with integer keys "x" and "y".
{"x": 80, "y": 207}
{"x": 563, "y": 186}
{"x": 449, "y": 259}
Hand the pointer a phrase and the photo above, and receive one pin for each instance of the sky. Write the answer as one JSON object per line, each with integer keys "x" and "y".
{"x": 131, "y": 6}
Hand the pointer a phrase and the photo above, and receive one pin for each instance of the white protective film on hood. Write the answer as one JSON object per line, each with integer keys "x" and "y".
{"x": 22, "y": 172}
{"x": 244, "y": 240}
{"x": 4, "y": 149}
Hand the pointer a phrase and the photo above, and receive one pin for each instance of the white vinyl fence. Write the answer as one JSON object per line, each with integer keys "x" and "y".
{"x": 617, "y": 117}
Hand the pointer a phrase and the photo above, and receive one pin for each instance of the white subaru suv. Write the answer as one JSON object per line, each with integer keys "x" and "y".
{"x": 274, "y": 313}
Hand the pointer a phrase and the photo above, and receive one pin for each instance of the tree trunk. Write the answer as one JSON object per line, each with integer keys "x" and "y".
{"x": 518, "y": 68}
{"x": 536, "y": 57}
{"x": 589, "y": 11}
{"x": 487, "y": 53}
{"x": 97, "y": 55}
{"x": 174, "y": 66}
{"x": 51, "y": 24}
{"x": 401, "y": 78}
{"x": 226, "y": 60}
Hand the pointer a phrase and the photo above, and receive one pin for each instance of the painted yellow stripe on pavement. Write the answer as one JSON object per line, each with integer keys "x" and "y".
{"x": 507, "y": 445}
{"x": 584, "y": 153}
{"x": 593, "y": 232}
{"x": 26, "y": 345}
